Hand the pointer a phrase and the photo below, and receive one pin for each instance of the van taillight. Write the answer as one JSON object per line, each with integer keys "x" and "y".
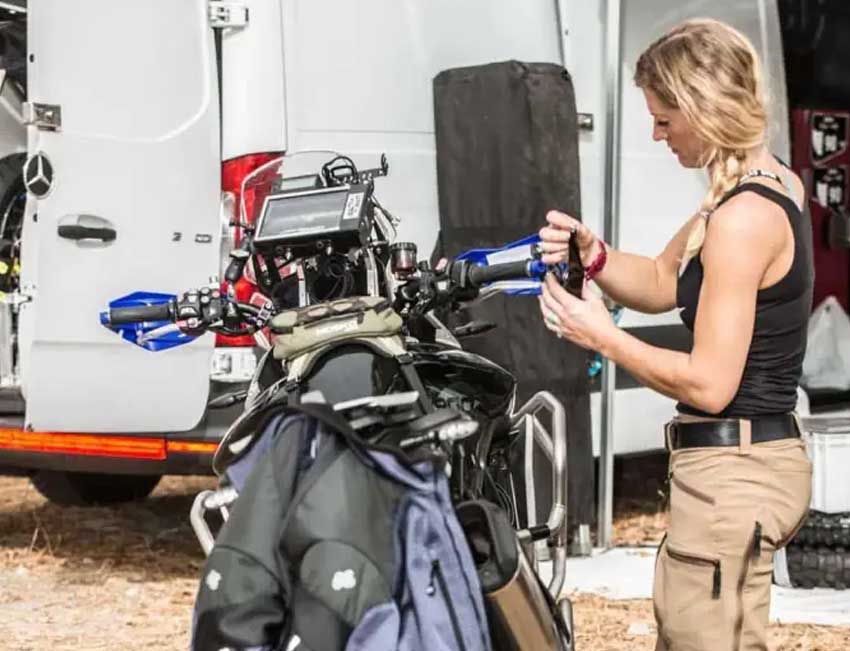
{"x": 233, "y": 172}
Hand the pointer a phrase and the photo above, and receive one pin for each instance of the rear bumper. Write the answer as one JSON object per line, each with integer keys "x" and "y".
{"x": 183, "y": 453}
{"x": 23, "y": 461}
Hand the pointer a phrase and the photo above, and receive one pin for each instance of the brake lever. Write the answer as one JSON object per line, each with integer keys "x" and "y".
{"x": 157, "y": 333}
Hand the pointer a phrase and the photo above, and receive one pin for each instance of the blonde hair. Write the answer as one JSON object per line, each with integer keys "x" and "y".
{"x": 711, "y": 72}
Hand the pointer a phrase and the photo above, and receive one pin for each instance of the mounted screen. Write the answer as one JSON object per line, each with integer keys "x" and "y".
{"x": 296, "y": 215}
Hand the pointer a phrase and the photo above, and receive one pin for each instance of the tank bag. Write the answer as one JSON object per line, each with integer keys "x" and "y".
{"x": 303, "y": 335}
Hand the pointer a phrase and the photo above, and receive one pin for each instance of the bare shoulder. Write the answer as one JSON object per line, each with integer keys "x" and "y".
{"x": 748, "y": 220}
{"x": 745, "y": 214}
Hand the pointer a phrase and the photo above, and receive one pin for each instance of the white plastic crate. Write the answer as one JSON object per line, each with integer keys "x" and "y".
{"x": 828, "y": 444}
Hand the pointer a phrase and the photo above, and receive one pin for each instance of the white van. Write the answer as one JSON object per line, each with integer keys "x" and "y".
{"x": 142, "y": 118}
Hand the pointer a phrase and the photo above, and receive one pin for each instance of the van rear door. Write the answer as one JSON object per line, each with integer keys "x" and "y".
{"x": 126, "y": 131}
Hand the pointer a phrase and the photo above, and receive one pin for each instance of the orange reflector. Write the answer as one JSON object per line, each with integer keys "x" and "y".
{"x": 131, "y": 447}
{"x": 192, "y": 447}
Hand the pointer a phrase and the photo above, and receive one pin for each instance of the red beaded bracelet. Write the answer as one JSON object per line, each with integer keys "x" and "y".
{"x": 596, "y": 266}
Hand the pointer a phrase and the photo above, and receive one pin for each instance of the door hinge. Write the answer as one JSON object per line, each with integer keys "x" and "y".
{"x": 46, "y": 117}
{"x": 227, "y": 14}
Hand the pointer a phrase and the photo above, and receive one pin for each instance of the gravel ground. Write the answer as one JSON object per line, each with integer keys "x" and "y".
{"x": 100, "y": 578}
{"x": 125, "y": 577}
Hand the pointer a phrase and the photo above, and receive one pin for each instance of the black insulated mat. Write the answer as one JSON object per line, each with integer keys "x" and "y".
{"x": 507, "y": 152}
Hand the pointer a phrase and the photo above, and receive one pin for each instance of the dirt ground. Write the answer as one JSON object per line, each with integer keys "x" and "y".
{"x": 102, "y": 579}
{"x": 603, "y": 625}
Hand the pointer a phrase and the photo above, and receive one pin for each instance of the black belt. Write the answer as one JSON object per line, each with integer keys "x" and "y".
{"x": 722, "y": 433}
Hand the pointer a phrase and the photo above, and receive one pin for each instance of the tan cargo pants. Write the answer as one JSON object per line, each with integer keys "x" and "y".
{"x": 730, "y": 509}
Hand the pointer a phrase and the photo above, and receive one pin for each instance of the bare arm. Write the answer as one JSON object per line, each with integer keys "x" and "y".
{"x": 642, "y": 283}
{"x": 709, "y": 376}
{"x": 638, "y": 282}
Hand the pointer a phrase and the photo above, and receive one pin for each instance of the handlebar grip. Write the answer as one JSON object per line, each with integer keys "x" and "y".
{"x": 476, "y": 276}
{"x": 141, "y": 313}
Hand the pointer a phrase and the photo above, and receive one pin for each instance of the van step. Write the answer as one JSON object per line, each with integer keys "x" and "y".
{"x": 11, "y": 401}
{"x": 11, "y": 421}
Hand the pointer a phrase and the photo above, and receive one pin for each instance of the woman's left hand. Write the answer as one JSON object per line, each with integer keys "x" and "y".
{"x": 585, "y": 321}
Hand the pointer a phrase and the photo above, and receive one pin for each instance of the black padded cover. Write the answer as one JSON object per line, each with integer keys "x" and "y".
{"x": 507, "y": 152}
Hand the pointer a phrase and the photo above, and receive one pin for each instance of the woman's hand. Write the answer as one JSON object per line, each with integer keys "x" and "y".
{"x": 585, "y": 321}
{"x": 556, "y": 236}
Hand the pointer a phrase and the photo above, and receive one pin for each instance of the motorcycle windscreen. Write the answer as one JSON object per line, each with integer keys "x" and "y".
{"x": 132, "y": 203}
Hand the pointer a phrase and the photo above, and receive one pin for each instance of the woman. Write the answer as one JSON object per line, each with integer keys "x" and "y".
{"x": 741, "y": 272}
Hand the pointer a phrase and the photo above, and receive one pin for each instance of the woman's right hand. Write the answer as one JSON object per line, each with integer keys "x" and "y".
{"x": 555, "y": 238}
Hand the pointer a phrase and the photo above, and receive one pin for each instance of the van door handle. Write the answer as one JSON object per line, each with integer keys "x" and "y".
{"x": 77, "y": 232}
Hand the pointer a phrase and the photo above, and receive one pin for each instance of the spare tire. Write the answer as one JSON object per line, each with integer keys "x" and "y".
{"x": 824, "y": 529}
{"x": 92, "y": 489}
{"x": 819, "y": 567}
{"x": 13, "y": 197}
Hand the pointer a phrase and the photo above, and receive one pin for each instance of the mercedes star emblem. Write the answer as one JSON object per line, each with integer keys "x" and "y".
{"x": 38, "y": 175}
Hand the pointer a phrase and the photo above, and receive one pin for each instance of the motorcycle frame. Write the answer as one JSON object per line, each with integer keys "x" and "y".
{"x": 526, "y": 420}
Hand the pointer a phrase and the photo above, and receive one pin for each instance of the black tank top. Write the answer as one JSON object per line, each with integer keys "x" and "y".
{"x": 775, "y": 358}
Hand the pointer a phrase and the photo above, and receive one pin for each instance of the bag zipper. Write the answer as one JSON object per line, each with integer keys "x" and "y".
{"x": 700, "y": 560}
{"x": 692, "y": 491}
{"x": 437, "y": 571}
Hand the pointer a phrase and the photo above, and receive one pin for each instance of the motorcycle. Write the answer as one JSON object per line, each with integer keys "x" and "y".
{"x": 320, "y": 246}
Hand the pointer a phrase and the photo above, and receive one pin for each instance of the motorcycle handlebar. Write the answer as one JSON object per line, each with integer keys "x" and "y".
{"x": 141, "y": 313}
{"x": 473, "y": 276}
{"x": 469, "y": 275}
{"x": 477, "y": 276}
